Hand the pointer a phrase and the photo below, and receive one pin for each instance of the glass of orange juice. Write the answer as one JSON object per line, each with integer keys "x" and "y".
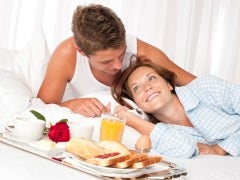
{"x": 112, "y": 127}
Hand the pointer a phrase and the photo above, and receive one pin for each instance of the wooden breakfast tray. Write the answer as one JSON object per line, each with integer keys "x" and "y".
{"x": 60, "y": 156}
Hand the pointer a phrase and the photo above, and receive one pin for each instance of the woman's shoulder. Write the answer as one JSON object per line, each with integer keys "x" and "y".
{"x": 209, "y": 84}
{"x": 208, "y": 80}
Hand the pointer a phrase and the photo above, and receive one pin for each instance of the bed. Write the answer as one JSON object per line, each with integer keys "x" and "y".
{"x": 21, "y": 73}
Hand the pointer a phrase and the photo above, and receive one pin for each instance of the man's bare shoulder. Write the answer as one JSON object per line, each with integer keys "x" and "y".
{"x": 66, "y": 49}
{"x": 64, "y": 57}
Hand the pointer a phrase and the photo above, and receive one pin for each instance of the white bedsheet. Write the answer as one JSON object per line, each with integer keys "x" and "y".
{"x": 210, "y": 167}
{"x": 16, "y": 164}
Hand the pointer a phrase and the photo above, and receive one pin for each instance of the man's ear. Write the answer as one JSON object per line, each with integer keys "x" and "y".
{"x": 79, "y": 49}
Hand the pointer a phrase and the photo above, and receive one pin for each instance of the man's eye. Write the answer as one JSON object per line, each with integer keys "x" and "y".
{"x": 105, "y": 62}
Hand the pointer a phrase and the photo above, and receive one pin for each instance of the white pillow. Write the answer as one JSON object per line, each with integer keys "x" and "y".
{"x": 15, "y": 96}
{"x": 30, "y": 63}
{"x": 7, "y": 58}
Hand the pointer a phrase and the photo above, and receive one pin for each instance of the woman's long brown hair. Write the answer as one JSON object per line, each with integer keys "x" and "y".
{"x": 120, "y": 89}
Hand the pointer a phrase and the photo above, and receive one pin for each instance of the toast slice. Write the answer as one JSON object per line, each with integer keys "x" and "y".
{"x": 108, "y": 161}
{"x": 150, "y": 160}
{"x": 132, "y": 159}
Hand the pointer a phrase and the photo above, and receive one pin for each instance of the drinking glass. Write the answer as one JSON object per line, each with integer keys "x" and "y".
{"x": 112, "y": 127}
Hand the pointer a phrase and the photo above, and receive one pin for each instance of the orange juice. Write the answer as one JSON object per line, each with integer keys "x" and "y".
{"x": 111, "y": 129}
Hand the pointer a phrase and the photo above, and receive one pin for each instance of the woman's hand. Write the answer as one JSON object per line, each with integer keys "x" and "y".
{"x": 141, "y": 125}
{"x": 125, "y": 111}
{"x": 210, "y": 149}
{"x": 120, "y": 110}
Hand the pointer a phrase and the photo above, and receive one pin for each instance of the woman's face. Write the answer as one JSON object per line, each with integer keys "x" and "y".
{"x": 150, "y": 91}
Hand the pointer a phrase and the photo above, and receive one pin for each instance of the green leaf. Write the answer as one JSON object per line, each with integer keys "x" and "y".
{"x": 63, "y": 120}
{"x": 38, "y": 115}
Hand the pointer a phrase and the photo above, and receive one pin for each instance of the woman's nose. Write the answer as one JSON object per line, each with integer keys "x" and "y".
{"x": 147, "y": 87}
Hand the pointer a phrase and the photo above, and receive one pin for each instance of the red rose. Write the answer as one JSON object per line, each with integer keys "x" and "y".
{"x": 59, "y": 132}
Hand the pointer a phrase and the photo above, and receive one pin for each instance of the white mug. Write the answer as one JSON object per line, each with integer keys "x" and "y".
{"x": 80, "y": 129}
{"x": 27, "y": 129}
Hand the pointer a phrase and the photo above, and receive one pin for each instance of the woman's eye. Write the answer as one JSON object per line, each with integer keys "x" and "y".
{"x": 135, "y": 89}
{"x": 151, "y": 78}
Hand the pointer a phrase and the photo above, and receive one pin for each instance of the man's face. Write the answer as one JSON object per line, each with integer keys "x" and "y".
{"x": 108, "y": 61}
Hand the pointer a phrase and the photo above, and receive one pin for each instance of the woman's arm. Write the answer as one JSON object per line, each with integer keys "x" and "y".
{"x": 165, "y": 138}
{"x": 141, "y": 125}
{"x": 173, "y": 141}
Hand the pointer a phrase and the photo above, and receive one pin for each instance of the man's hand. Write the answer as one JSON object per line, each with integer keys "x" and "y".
{"x": 89, "y": 107}
{"x": 210, "y": 149}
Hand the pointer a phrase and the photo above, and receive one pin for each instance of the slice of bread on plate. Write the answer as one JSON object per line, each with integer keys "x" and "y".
{"x": 149, "y": 161}
{"x": 132, "y": 159}
{"x": 108, "y": 159}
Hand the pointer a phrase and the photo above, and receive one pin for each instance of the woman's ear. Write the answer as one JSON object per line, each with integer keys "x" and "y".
{"x": 170, "y": 86}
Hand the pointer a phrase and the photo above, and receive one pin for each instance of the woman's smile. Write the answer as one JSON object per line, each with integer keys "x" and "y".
{"x": 152, "y": 96}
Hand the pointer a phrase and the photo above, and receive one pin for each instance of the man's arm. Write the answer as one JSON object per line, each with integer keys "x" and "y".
{"x": 159, "y": 58}
{"x": 60, "y": 71}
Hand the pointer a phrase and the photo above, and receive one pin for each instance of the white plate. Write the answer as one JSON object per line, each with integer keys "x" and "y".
{"x": 105, "y": 169}
{"x": 108, "y": 171}
{"x": 53, "y": 152}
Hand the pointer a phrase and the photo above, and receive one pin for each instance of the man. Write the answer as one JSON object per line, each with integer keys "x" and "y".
{"x": 91, "y": 59}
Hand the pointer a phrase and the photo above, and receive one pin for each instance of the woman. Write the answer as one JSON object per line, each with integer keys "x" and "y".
{"x": 202, "y": 117}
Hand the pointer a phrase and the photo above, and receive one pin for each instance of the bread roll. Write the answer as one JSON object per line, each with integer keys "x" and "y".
{"x": 113, "y": 146}
{"x": 84, "y": 148}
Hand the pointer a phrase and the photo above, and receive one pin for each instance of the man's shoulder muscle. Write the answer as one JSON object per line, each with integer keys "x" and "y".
{"x": 64, "y": 57}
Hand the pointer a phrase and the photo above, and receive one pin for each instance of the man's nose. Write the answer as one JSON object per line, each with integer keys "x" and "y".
{"x": 117, "y": 64}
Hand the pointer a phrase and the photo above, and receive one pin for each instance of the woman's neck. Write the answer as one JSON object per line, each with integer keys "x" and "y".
{"x": 173, "y": 113}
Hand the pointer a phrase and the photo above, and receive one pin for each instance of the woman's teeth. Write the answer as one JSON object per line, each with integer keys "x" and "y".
{"x": 152, "y": 96}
